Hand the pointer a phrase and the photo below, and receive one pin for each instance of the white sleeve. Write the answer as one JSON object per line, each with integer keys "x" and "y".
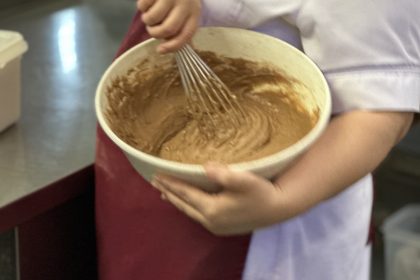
{"x": 368, "y": 50}
{"x": 246, "y": 13}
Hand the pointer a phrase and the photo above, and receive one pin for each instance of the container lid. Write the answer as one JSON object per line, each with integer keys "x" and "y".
{"x": 12, "y": 45}
{"x": 404, "y": 225}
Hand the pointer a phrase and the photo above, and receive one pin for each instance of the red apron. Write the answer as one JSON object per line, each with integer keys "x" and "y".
{"x": 142, "y": 237}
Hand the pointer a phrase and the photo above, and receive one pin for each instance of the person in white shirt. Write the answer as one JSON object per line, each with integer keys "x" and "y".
{"x": 311, "y": 222}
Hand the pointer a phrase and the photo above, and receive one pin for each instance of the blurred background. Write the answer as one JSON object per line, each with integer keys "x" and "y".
{"x": 46, "y": 200}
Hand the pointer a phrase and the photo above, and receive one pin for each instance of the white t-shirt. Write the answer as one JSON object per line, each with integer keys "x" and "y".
{"x": 369, "y": 52}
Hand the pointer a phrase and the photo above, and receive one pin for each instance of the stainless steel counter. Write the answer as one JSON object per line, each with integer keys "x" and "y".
{"x": 69, "y": 49}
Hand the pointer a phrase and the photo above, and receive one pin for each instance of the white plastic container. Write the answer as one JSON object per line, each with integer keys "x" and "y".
{"x": 12, "y": 47}
{"x": 402, "y": 244}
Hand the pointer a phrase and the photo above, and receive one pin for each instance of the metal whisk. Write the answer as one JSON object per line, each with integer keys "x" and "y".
{"x": 206, "y": 94}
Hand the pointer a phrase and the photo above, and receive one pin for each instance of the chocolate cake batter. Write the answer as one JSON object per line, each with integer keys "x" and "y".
{"x": 148, "y": 110}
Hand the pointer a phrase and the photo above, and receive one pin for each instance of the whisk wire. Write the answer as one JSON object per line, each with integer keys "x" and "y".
{"x": 214, "y": 83}
{"x": 190, "y": 84}
{"x": 227, "y": 96}
{"x": 206, "y": 93}
{"x": 200, "y": 79}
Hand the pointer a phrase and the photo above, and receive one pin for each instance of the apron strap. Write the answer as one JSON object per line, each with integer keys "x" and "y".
{"x": 139, "y": 236}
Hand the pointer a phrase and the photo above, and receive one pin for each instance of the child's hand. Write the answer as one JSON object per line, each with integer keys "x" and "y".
{"x": 175, "y": 21}
{"x": 246, "y": 202}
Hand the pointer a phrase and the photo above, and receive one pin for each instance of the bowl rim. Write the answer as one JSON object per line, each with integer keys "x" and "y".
{"x": 188, "y": 168}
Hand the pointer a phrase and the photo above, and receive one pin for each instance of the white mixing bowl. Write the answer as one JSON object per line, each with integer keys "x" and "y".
{"x": 236, "y": 43}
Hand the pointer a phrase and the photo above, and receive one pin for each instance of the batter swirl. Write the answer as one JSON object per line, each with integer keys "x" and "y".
{"x": 147, "y": 109}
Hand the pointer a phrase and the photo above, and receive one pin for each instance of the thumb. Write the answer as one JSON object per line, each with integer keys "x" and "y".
{"x": 227, "y": 178}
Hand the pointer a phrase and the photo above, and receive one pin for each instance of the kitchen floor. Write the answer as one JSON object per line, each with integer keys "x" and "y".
{"x": 72, "y": 42}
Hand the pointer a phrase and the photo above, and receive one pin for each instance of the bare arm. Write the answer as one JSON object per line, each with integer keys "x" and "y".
{"x": 353, "y": 145}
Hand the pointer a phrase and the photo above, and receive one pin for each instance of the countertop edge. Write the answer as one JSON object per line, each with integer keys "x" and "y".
{"x": 50, "y": 196}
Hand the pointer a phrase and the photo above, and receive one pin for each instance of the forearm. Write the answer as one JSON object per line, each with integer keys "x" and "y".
{"x": 353, "y": 145}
